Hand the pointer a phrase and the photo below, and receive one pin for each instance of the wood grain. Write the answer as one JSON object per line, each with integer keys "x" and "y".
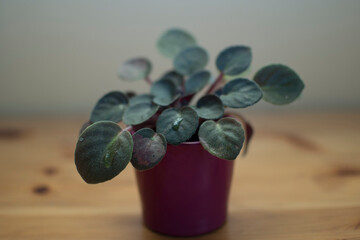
{"x": 300, "y": 180}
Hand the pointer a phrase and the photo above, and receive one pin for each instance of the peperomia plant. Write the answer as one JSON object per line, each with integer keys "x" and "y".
{"x": 167, "y": 116}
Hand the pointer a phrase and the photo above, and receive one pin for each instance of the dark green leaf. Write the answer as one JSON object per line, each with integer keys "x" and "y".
{"x": 149, "y": 149}
{"x": 142, "y": 98}
{"x": 280, "y": 84}
{"x": 102, "y": 151}
{"x": 139, "y": 113}
{"x": 223, "y": 139}
{"x": 234, "y": 60}
{"x": 196, "y": 82}
{"x": 175, "y": 77}
{"x": 210, "y": 107}
{"x": 173, "y": 41}
{"x": 135, "y": 69}
{"x": 190, "y": 60}
{"x": 219, "y": 92}
{"x": 110, "y": 107}
{"x": 240, "y": 93}
{"x": 177, "y": 125}
{"x": 249, "y": 131}
{"x": 84, "y": 126}
{"x": 165, "y": 92}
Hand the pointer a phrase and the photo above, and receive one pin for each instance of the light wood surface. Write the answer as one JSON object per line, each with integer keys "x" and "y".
{"x": 300, "y": 180}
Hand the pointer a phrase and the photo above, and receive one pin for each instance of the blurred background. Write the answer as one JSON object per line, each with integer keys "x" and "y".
{"x": 59, "y": 57}
{"x": 301, "y": 176}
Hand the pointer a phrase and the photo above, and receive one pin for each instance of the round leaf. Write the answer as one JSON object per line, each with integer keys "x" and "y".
{"x": 210, "y": 107}
{"x": 165, "y": 92}
{"x": 196, "y": 82}
{"x": 135, "y": 69}
{"x": 280, "y": 84}
{"x": 139, "y": 113}
{"x": 142, "y": 98}
{"x": 175, "y": 77}
{"x": 234, "y": 60}
{"x": 190, "y": 60}
{"x": 102, "y": 151}
{"x": 110, "y": 107}
{"x": 149, "y": 149}
{"x": 84, "y": 126}
{"x": 223, "y": 139}
{"x": 177, "y": 125}
{"x": 240, "y": 93}
{"x": 219, "y": 92}
{"x": 173, "y": 41}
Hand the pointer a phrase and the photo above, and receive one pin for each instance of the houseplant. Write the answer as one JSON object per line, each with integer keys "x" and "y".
{"x": 182, "y": 152}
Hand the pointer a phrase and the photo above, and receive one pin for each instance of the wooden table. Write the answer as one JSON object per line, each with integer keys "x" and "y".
{"x": 300, "y": 180}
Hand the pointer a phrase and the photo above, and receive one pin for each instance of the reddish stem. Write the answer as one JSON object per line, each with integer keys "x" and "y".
{"x": 128, "y": 128}
{"x": 148, "y": 80}
{"x": 214, "y": 86}
{"x": 177, "y": 103}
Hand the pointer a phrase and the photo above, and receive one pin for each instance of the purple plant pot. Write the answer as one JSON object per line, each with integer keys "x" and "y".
{"x": 187, "y": 193}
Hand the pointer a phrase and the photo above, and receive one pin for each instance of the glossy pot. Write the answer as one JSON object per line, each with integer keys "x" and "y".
{"x": 187, "y": 193}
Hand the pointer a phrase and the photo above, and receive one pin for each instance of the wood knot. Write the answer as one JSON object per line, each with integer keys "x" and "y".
{"x": 347, "y": 172}
{"x": 301, "y": 142}
{"x": 50, "y": 171}
{"x": 41, "y": 189}
{"x": 357, "y": 226}
{"x": 11, "y": 133}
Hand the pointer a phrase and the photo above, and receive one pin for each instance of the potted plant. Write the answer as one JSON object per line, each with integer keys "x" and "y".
{"x": 182, "y": 152}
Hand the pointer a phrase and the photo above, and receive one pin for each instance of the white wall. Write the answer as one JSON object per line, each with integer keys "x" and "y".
{"x": 60, "y": 56}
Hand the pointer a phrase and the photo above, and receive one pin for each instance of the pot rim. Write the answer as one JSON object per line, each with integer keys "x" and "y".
{"x": 190, "y": 143}
{"x": 131, "y": 130}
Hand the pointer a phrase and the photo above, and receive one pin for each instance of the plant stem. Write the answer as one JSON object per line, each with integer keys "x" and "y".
{"x": 183, "y": 86}
{"x": 215, "y": 84}
{"x": 128, "y": 128}
{"x": 148, "y": 80}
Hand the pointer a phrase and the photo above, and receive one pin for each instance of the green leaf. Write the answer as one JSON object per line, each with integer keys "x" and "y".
{"x": 135, "y": 69}
{"x": 210, "y": 107}
{"x": 245, "y": 74}
{"x": 240, "y": 93}
{"x": 280, "y": 84}
{"x": 177, "y": 125}
{"x": 174, "y": 41}
{"x": 219, "y": 92}
{"x": 102, "y": 151}
{"x": 149, "y": 149}
{"x": 190, "y": 60}
{"x": 84, "y": 126}
{"x": 223, "y": 139}
{"x": 196, "y": 82}
{"x": 234, "y": 60}
{"x": 165, "y": 92}
{"x": 174, "y": 77}
{"x": 142, "y": 98}
{"x": 139, "y": 113}
{"x": 110, "y": 107}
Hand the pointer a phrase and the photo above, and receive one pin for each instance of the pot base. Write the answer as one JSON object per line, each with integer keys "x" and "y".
{"x": 192, "y": 234}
